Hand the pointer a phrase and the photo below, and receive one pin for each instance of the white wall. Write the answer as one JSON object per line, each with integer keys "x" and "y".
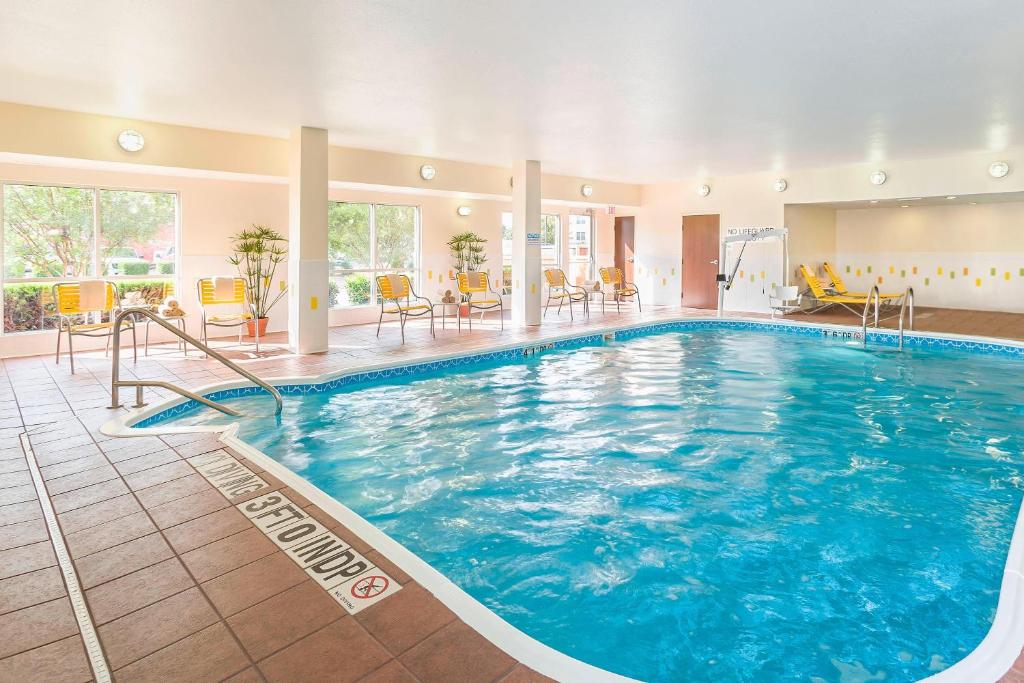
{"x": 957, "y": 256}
{"x": 750, "y": 200}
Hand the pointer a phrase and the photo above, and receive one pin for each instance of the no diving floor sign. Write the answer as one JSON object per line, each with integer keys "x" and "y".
{"x": 350, "y": 578}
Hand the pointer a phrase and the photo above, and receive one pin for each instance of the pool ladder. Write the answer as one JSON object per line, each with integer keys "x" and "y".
{"x": 875, "y": 294}
{"x": 116, "y": 382}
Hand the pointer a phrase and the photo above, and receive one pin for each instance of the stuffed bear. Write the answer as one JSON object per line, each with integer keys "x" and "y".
{"x": 171, "y": 308}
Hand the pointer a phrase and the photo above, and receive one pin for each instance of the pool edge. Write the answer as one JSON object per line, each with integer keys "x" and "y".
{"x": 992, "y": 658}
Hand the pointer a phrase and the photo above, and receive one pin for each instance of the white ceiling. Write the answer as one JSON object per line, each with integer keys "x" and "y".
{"x": 636, "y": 91}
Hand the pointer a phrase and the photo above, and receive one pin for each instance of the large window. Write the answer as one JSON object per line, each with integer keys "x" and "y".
{"x": 55, "y": 233}
{"x": 365, "y": 240}
{"x": 550, "y": 243}
{"x": 581, "y": 248}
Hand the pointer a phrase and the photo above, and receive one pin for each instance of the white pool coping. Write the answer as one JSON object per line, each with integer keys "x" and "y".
{"x": 989, "y": 661}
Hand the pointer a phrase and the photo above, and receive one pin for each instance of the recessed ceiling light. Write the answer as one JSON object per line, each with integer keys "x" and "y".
{"x": 780, "y": 185}
{"x": 904, "y": 206}
{"x": 974, "y": 203}
{"x": 427, "y": 172}
{"x": 950, "y": 196}
{"x": 878, "y": 178}
{"x": 704, "y": 190}
{"x": 587, "y": 190}
{"x": 999, "y": 169}
{"x": 464, "y": 210}
{"x": 874, "y": 201}
{"x": 131, "y": 140}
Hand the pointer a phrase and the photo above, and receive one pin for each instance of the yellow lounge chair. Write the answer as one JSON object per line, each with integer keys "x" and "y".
{"x": 840, "y": 286}
{"x": 207, "y": 291}
{"x": 73, "y": 319}
{"x": 560, "y": 290}
{"x": 397, "y": 297}
{"x": 827, "y": 299}
{"x": 476, "y": 282}
{"x": 614, "y": 278}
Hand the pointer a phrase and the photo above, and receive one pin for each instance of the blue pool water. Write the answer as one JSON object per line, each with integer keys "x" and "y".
{"x": 711, "y": 505}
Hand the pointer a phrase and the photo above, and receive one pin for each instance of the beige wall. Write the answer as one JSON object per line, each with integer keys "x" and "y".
{"x": 957, "y": 256}
{"x": 812, "y": 236}
{"x": 55, "y": 133}
{"x": 750, "y": 200}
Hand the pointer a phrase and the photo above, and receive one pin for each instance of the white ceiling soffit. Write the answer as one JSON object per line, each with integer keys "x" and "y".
{"x": 639, "y": 92}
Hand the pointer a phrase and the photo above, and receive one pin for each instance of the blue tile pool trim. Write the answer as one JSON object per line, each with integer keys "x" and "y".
{"x": 874, "y": 337}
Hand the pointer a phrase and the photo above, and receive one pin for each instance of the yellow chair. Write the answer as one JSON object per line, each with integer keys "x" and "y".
{"x": 823, "y": 296}
{"x": 476, "y": 282}
{"x": 620, "y": 289}
{"x": 206, "y": 289}
{"x": 68, "y": 300}
{"x": 397, "y": 291}
{"x": 840, "y": 286}
{"x": 560, "y": 290}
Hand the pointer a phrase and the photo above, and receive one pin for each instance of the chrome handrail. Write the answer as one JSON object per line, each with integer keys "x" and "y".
{"x": 864, "y": 318}
{"x": 116, "y": 382}
{"x": 907, "y": 296}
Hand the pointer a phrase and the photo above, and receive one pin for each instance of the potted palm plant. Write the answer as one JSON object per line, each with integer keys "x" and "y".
{"x": 467, "y": 252}
{"x": 257, "y": 253}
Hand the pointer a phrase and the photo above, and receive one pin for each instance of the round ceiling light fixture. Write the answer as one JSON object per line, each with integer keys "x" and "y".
{"x": 780, "y": 185}
{"x": 999, "y": 169}
{"x": 427, "y": 172}
{"x": 587, "y": 190}
{"x": 464, "y": 210}
{"x": 131, "y": 140}
{"x": 878, "y": 178}
{"x": 704, "y": 190}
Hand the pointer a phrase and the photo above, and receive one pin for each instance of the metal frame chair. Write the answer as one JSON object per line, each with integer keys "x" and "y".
{"x": 560, "y": 289}
{"x": 781, "y": 298}
{"x": 66, "y": 299}
{"x": 616, "y": 279}
{"x": 207, "y": 294}
{"x": 482, "y": 285}
{"x": 389, "y": 294}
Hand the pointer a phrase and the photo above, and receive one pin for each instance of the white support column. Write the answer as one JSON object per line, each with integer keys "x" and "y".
{"x": 307, "y": 241}
{"x": 526, "y": 271}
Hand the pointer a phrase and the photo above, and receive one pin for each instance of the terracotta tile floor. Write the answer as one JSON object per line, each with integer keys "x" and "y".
{"x": 180, "y": 585}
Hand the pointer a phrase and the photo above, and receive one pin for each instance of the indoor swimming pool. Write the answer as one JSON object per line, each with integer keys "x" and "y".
{"x": 691, "y": 504}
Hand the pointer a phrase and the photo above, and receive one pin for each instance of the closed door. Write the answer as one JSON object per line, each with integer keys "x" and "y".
{"x": 700, "y": 261}
{"x": 624, "y": 245}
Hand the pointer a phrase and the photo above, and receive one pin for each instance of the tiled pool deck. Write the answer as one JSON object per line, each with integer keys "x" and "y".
{"x": 181, "y": 585}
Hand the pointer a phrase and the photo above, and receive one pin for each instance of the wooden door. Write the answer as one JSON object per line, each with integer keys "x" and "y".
{"x": 700, "y": 261}
{"x": 624, "y": 235}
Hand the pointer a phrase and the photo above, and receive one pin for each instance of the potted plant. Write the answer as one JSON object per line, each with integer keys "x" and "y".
{"x": 467, "y": 252}
{"x": 257, "y": 253}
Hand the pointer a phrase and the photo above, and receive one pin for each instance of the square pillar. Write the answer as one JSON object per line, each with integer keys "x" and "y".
{"x": 526, "y": 270}
{"x": 307, "y": 241}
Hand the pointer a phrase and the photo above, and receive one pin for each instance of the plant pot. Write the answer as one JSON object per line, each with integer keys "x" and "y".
{"x": 464, "y": 310}
{"x": 262, "y": 325}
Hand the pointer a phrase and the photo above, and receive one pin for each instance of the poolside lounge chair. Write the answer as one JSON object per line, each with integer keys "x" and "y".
{"x": 397, "y": 297}
{"x": 840, "y": 286}
{"x": 477, "y": 283}
{"x": 225, "y": 291}
{"x": 76, "y": 302}
{"x": 560, "y": 290}
{"x": 828, "y": 298}
{"x": 620, "y": 289}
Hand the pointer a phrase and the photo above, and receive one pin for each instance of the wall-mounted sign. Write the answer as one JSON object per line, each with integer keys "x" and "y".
{"x": 533, "y": 238}
{"x": 748, "y": 230}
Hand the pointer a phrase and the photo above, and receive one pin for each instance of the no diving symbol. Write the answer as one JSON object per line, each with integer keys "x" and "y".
{"x": 369, "y": 587}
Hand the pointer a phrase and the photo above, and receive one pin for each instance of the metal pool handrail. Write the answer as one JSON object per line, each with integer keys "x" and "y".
{"x": 864, "y": 318}
{"x": 116, "y": 382}
{"x": 907, "y": 296}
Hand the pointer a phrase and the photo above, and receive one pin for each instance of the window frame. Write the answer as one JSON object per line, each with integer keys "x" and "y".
{"x": 97, "y": 228}
{"x": 591, "y": 243}
{"x": 373, "y": 271}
